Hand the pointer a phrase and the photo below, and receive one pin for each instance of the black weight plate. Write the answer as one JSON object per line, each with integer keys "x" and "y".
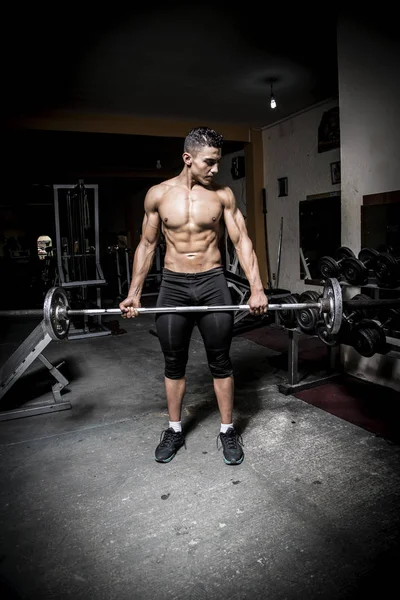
{"x": 354, "y": 271}
{"x": 344, "y": 252}
{"x": 387, "y": 269}
{"x": 288, "y": 317}
{"x": 364, "y": 343}
{"x": 309, "y": 296}
{"x": 368, "y": 255}
{"x": 307, "y": 319}
{"x": 368, "y": 338}
{"x": 328, "y": 267}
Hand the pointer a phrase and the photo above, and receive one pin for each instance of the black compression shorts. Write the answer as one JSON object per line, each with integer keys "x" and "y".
{"x": 175, "y": 329}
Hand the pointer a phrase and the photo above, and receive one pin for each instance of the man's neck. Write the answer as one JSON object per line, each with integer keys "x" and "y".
{"x": 186, "y": 178}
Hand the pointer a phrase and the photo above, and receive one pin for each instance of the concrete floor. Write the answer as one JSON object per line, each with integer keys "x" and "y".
{"x": 87, "y": 513}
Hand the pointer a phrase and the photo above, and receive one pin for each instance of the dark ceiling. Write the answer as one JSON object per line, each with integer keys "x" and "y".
{"x": 203, "y": 63}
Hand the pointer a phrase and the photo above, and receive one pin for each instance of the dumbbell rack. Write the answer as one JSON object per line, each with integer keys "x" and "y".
{"x": 333, "y": 369}
{"x": 287, "y": 322}
{"x": 393, "y": 340}
{"x": 30, "y": 350}
{"x": 373, "y": 270}
{"x": 293, "y": 384}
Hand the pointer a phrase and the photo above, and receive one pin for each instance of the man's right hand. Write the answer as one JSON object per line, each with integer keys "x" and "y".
{"x": 128, "y": 307}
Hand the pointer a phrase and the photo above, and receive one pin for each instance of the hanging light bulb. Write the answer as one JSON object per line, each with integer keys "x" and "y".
{"x": 273, "y": 101}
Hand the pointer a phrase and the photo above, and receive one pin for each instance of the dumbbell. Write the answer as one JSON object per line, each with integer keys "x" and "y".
{"x": 349, "y": 318}
{"x": 364, "y": 328}
{"x": 387, "y": 270}
{"x": 329, "y": 267}
{"x": 356, "y": 270}
{"x": 368, "y": 338}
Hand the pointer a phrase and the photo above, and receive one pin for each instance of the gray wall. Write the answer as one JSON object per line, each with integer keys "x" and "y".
{"x": 291, "y": 150}
{"x": 369, "y": 89}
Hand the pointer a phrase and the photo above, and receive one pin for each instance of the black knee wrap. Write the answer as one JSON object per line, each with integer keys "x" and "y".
{"x": 219, "y": 363}
{"x": 175, "y": 363}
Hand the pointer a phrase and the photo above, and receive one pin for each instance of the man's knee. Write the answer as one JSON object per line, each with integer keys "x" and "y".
{"x": 175, "y": 363}
{"x": 219, "y": 363}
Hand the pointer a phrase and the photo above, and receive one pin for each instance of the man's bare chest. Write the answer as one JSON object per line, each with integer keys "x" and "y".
{"x": 192, "y": 210}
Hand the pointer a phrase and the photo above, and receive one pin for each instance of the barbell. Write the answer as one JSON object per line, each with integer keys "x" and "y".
{"x": 57, "y": 313}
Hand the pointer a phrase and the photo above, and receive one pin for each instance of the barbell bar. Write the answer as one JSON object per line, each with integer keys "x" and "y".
{"x": 57, "y": 313}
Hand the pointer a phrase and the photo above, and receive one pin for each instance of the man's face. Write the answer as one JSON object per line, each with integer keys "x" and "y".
{"x": 204, "y": 164}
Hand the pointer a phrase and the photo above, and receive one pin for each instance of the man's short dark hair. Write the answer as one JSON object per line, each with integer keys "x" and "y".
{"x": 200, "y": 137}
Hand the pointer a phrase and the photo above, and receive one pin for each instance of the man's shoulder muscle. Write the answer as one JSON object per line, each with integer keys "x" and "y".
{"x": 154, "y": 196}
{"x": 226, "y": 195}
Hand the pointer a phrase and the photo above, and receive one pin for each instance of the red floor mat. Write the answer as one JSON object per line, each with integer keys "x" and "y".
{"x": 372, "y": 407}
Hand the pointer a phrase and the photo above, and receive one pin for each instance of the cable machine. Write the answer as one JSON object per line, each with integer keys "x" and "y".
{"x": 76, "y": 209}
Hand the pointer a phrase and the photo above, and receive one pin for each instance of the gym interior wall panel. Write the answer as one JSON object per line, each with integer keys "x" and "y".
{"x": 291, "y": 150}
{"x": 254, "y": 164}
{"x": 369, "y": 91}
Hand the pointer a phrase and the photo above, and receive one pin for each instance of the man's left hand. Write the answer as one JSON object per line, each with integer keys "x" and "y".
{"x": 258, "y": 303}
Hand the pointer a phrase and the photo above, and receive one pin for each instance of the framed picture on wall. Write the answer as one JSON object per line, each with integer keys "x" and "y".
{"x": 335, "y": 172}
{"x": 329, "y": 130}
{"x": 283, "y": 186}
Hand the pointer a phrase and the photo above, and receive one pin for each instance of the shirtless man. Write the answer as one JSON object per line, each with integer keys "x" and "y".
{"x": 190, "y": 210}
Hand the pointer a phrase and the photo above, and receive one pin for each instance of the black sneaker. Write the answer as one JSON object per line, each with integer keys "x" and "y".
{"x": 169, "y": 445}
{"x": 232, "y": 447}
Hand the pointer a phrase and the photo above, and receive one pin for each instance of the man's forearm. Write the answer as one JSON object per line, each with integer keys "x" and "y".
{"x": 249, "y": 263}
{"x": 142, "y": 263}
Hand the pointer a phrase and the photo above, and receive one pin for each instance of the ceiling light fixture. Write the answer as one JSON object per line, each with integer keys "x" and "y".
{"x": 273, "y": 101}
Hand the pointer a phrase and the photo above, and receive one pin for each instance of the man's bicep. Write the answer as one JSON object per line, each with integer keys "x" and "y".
{"x": 151, "y": 219}
{"x": 235, "y": 223}
{"x": 151, "y": 227}
{"x": 144, "y": 223}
